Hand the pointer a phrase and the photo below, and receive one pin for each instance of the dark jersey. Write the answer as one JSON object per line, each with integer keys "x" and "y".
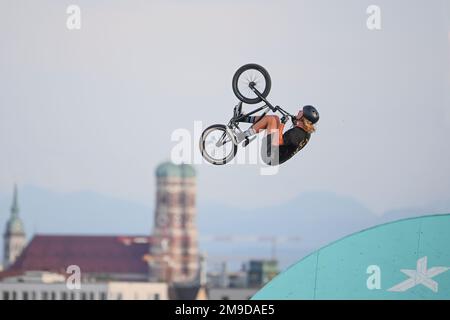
{"x": 294, "y": 140}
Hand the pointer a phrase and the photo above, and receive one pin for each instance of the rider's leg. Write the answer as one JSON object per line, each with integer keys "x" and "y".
{"x": 273, "y": 126}
{"x": 267, "y": 122}
{"x": 249, "y": 132}
{"x": 274, "y": 131}
{"x": 250, "y": 119}
{"x": 270, "y": 123}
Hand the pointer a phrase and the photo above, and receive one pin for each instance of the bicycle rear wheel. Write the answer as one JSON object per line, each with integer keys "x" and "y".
{"x": 251, "y": 74}
{"x": 216, "y": 145}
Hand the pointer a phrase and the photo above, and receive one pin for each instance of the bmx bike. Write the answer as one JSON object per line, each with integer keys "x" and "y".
{"x": 251, "y": 84}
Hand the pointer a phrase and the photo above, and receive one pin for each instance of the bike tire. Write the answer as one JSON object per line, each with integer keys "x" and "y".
{"x": 235, "y": 83}
{"x": 204, "y": 153}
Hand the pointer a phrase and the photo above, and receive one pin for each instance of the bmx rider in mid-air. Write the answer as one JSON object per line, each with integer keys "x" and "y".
{"x": 251, "y": 84}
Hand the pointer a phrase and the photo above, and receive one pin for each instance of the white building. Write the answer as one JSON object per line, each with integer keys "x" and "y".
{"x": 231, "y": 293}
{"x": 52, "y": 286}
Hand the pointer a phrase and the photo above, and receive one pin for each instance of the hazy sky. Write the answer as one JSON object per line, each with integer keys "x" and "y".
{"x": 94, "y": 109}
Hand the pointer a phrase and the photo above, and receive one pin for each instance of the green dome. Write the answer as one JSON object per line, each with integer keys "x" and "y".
{"x": 15, "y": 226}
{"x": 187, "y": 171}
{"x": 169, "y": 169}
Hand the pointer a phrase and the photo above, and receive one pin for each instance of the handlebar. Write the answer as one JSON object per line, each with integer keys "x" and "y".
{"x": 283, "y": 112}
{"x": 273, "y": 108}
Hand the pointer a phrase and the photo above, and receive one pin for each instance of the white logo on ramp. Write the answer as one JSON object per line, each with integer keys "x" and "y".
{"x": 421, "y": 275}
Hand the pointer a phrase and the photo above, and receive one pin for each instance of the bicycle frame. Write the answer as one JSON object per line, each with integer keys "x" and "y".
{"x": 234, "y": 122}
{"x": 274, "y": 109}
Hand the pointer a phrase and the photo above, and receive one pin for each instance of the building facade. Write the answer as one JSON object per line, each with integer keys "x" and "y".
{"x": 168, "y": 257}
{"x": 174, "y": 256}
{"x": 51, "y": 286}
{"x": 261, "y": 271}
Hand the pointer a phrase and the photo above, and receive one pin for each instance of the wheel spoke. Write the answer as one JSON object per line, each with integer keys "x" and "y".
{"x": 255, "y": 75}
{"x": 217, "y": 145}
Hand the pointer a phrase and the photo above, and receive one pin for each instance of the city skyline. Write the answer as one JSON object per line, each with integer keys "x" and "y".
{"x": 45, "y": 212}
{"x": 164, "y": 264}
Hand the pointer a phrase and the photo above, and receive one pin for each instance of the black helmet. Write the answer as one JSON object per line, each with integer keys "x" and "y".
{"x": 311, "y": 113}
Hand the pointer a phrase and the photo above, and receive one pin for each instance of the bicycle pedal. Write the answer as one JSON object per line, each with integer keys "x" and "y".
{"x": 247, "y": 141}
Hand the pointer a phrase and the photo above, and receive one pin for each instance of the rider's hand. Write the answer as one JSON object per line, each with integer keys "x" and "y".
{"x": 284, "y": 119}
{"x": 294, "y": 120}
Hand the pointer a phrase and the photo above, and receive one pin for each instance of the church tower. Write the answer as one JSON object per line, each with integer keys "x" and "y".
{"x": 174, "y": 250}
{"x": 14, "y": 236}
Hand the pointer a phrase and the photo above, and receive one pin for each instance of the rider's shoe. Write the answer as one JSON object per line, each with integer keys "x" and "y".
{"x": 240, "y": 136}
{"x": 247, "y": 141}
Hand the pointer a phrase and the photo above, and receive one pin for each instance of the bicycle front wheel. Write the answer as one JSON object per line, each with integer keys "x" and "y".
{"x": 217, "y": 145}
{"x": 247, "y": 75}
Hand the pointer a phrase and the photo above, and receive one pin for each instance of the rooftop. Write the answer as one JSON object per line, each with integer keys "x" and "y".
{"x": 93, "y": 254}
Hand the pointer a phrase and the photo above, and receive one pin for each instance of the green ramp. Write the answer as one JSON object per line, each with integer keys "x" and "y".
{"x": 406, "y": 259}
